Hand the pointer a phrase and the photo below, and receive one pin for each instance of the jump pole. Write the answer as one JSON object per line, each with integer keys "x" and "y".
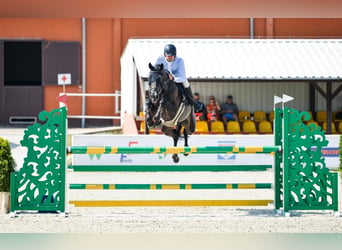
{"x": 167, "y": 203}
{"x": 173, "y": 186}
{"x": 167, "y": 168}
{"x": 173, "y": 150}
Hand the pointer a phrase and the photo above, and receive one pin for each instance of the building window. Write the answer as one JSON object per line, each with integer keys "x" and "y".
{"x": 23, "y": 63}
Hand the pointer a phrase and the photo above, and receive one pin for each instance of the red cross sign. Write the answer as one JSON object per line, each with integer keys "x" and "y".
{"x": 64, "y": 79}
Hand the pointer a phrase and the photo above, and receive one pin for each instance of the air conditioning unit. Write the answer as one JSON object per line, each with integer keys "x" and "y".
{"x": 22, "y": 119}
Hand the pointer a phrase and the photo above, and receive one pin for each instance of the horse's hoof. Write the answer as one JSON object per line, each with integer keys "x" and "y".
{"x": 151, "y": 126}
{"x": 175, "y": 158}
{"x": 186, "y": 154}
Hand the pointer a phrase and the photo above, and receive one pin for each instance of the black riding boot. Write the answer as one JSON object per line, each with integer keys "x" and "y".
{"x": 189, "y": 98}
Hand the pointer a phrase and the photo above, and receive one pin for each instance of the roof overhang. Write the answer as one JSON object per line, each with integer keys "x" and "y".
{"x": 247, "y": 59}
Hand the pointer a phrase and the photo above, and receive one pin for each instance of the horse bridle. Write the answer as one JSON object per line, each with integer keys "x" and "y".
{"x": 154, "y": 92}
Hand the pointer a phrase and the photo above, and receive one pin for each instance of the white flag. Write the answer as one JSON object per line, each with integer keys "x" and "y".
{"x": 277, "y": 99}
{"x": 287, "y": 98}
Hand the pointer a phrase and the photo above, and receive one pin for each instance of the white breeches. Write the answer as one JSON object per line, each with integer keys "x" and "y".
{"x": 186, "y": 84}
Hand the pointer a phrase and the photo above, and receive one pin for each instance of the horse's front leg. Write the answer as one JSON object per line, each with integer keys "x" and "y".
{"x": 172, "y": 133}
{"x": 156, "y": 118}
{"x": 175, "y": 157}
{"x": 175, "y": 136}
{"x": 149, "y": 121}
{"x": 149, "y": 112}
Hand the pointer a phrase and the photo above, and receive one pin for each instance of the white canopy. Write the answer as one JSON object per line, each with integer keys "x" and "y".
{"x": 236, "y": 59}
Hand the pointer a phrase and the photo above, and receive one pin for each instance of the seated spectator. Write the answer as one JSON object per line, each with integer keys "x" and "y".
{"x": 229, "y": 110}
{"x": 199, "y": 108}
{"x": 213, "y": 109}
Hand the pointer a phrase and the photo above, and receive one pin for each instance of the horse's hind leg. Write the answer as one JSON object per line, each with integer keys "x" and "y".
{"x": 185, "y": 133}
{"x": 175, "y": 135}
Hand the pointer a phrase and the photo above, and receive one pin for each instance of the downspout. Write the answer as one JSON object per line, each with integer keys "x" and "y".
{"x": 84, "y": 81}
{"x": 251, "y": 28}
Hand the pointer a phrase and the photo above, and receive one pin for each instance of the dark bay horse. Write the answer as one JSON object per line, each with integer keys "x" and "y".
{"x": 165, "y": 109}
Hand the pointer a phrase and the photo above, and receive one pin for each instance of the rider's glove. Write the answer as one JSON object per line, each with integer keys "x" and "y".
{"x": 171, "y": 77}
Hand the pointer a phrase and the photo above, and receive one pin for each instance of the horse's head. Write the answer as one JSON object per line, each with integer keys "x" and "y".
{"x": 158, "y": 82}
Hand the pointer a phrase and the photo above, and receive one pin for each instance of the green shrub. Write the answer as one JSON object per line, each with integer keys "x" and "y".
{"x": 6, "y": 165}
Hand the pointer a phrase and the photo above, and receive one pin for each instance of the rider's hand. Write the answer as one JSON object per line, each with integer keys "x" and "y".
{"x": 171, "y": 77}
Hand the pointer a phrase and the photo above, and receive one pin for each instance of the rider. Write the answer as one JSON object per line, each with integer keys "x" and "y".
{"x": 175, "y": 65}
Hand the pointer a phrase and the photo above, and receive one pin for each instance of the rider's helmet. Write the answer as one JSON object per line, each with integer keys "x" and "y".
{"x": 170, "y": 50}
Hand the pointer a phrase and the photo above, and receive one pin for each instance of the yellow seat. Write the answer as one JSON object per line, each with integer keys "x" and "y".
{"x": 312, "y": 122}
{"x": 217, "y": 126}
{"x": 333, "y": 115}
{"x": 340, "y": 127}
{"x": 202, "y": 127}
{"x": 142, "y": 119}
{"x": 244, "y": 115}
{"x": 259, "y": 116}
{"x": 271, "y": 116}
{"x": 321, "y": 116}
{"x": 249, "y": 127}
{"x": 333, "y": 127}
{"x": 311, "y": 117}
{"x": 142, "y": 124}
{"x": 233, "y": 127}
{"x": 265, "y": 127}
